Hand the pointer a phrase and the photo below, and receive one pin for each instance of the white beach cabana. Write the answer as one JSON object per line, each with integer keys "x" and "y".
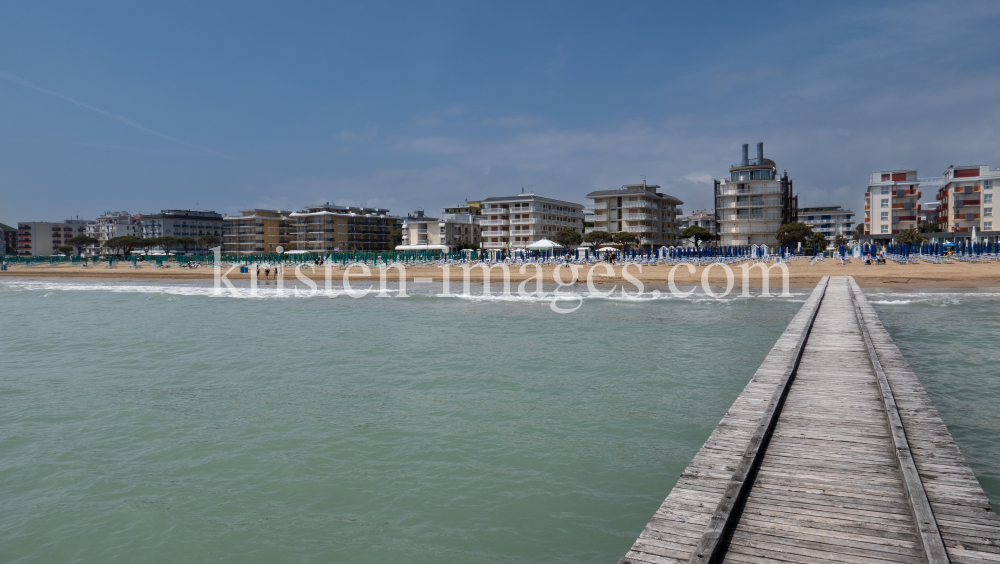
{"x": 544, "y": 245}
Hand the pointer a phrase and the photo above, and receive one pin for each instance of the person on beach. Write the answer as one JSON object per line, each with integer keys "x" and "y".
{"x": 258, "y": 271}
{"x": 267, "y": 273}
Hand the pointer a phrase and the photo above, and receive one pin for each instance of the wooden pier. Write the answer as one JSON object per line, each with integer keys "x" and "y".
{"x": 832, "y": 453}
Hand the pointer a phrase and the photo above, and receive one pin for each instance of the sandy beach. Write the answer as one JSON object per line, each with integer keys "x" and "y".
{"x": 801, "y": 274}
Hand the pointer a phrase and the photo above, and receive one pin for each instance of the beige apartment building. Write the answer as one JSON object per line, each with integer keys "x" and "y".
{"x": 447, "y": 233}
{"x": 891, "y": 203}
{"x": 967, "y": 200}
{"x": 639, "y": 209}
{"x": 329, "y": 227}
{"x": 256, "y": 231}
{"x": 518, "y": 221}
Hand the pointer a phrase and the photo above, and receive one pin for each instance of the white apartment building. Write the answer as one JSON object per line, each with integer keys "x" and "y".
{"x": 967, "y": 197}
{"x": 830, "y": 221}
{"x": 891, "y": 203}
{"x": 447, "y": 233}
{"x": 700, "y": 218}
{"x": 754, "y": 201}
{"x": 518, "y": 221}
{"x": 639, "y": 209}
{"x": 111, "y": 225}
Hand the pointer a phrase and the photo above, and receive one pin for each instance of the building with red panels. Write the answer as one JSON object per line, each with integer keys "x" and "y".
{"x": 967, "y": 200}
{"x": 891, "y": 203}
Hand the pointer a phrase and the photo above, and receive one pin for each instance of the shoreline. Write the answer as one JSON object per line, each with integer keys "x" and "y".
{"x": 801, "y": 274}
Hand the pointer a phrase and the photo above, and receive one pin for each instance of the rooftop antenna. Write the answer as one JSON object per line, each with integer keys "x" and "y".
{"x": 522, "y": 189}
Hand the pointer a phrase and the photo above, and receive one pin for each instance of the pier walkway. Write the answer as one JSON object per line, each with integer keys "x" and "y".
{"x": 832, "y": 453}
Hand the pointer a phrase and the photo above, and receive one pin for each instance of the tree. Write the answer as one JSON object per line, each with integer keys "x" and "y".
{"x": 186, "y": 243}
{"x": 81, "y": 241}
{"x": 64, "y": 249}
{"x": 209, "y": 241}
{"x": 911, "y": 237}
{"x": 396, "y": 236}
{"x": 698, "y": 233}
{"x": 165, "y": 243}
{"x": 790, "y": 234}
{"x": 568, "y": 238}
{"x": 859, "y": 231}
{"x": 817, "y": 242}
{"x": 839, "y": 241}
{"x": 626, "y": 239}
{"x": 930, "y": 228}
{"x": 125, "y": 244}
{"x": 597, "y": 238}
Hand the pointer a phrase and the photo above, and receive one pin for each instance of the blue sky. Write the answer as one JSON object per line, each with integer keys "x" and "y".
{"x": 140, "y": 107}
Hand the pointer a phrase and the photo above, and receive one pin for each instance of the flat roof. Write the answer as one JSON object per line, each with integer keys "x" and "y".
{"x": 529, "y": 197}
{"x": 636, "y": 189}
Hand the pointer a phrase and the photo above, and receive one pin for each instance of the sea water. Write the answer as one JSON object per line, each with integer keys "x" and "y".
{"x": 158, "y": 423}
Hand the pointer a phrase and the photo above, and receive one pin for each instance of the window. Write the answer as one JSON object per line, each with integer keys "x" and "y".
{"x": 987, "y": 226}
{"x": 885, "y": 229}
{"x": 987, "y": 185}
{"x": 885, "y": 189}
{"x": 987, "y": 212}
{"x": 885, "y": 202}
{"x": 987, "y": 198}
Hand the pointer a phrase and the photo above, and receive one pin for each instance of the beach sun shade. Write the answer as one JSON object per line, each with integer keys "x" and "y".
{"x": 544, "y": 244}
{"x": 608, "y": 249}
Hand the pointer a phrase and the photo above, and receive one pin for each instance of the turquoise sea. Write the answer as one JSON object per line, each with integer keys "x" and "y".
{"x": 150, "y": 423}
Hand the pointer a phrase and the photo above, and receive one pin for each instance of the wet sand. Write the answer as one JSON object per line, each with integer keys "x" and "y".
{"x": 801, "y": 274}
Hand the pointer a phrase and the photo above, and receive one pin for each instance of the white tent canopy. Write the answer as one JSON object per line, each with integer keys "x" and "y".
{"x": 423, "y": 248}
{"x": 544, "y": 245}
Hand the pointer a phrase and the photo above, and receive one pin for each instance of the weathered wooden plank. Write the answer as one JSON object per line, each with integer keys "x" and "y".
{"x": 930, "y": 535}
{"x": 830, "y": 483}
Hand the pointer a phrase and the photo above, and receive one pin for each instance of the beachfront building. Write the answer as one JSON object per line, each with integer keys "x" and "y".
{"x": 111, "y": 225}
{"x": 830, "y": 221}
{"x": 891, "y": 203}
{"x": 471, "y": 208}
{"x": 329, "y": 227}
{"x": 928, "y": 212}
{"x": 447, "y": 233}
{"x": 42, "y": 238}
{"x": 700, "y": 218}
{"x": 753, "y": 202}
{"x": 639, "y": 209}
{"x": 257, "y": 231}
{"x": 183, "y": 223}
{"x": 518, "y": 221}
{"x": 8, "y": 241}
{"x": 967, "y": 198}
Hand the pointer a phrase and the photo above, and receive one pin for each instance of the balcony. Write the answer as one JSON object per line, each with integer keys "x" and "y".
{"x": 598, "y": 218}
{"x": 638, "y": 229}
{"x": 641, "y": 217}
{"x": 640, "y": 204}
{"x": 597, "y": 206}
{"x": 755, "y": 217}
{"x": 495, "y": 222}
{"x": 769, "y": 189}
{"x": 522, "y": 221}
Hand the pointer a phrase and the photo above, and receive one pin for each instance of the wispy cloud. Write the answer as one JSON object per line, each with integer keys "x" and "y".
{"x": 18, "y": 80}
{"x": 437, "y": 117}
{"x": 698, "y": 177}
